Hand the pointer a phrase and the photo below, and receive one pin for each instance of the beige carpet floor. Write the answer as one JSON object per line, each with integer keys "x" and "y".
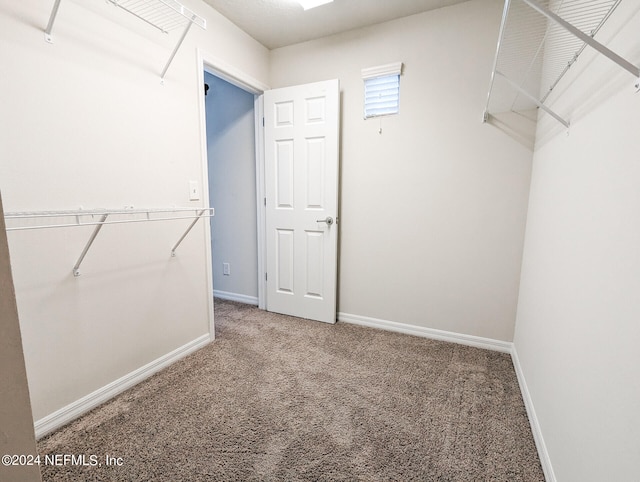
{"x": 277, "y": 398}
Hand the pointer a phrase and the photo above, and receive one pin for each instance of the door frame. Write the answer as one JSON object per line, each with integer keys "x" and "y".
{"x": 218, "y": 67}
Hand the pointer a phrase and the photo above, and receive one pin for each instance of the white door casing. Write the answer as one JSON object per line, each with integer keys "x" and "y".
{"x": 301, "y": 176}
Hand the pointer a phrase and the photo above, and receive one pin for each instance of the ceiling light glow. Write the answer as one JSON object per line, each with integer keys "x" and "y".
{"x": 307, "y": 4}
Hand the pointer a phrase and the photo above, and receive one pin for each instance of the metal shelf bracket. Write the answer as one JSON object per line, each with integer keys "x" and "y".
{"x": 175, "y": 51}
{"x": 165, "y": 15}
{"x": 52, "y": 19}
{"x": 105, "y": 218}
{"x": 529, "y": 31}
{"x": 175, "y": 246}
{"x": 76, "y": 267}
{"x": 534, "y": 99}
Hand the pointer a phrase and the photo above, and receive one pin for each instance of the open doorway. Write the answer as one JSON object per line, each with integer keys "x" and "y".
{"x": 238, "y": 288}
{"x": 231, "y": 160}
{"x": 227, "y": 142}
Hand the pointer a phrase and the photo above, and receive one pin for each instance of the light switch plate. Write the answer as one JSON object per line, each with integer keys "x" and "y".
{"x": 194, "y": 191}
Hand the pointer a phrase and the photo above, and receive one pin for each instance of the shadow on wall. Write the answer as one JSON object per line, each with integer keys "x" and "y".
{"x": 17, "y": 435}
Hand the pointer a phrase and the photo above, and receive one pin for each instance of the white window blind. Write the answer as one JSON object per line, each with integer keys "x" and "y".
{"x": 382, "y": 90}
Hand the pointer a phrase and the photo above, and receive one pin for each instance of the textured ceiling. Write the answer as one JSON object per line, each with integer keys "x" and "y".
{"x": 277, "y": 23}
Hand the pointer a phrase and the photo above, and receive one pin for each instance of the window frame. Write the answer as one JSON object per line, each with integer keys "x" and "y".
{"x": 393, "y": 71}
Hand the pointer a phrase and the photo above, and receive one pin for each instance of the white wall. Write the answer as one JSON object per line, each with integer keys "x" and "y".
{"x": 86, "y": 122}
{"x": 577, "y": 331}
{"x": 232, "y": 188}
{"x": 433, "y": 209}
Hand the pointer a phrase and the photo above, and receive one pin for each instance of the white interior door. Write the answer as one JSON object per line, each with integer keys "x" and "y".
{"x": 301, "y": 177}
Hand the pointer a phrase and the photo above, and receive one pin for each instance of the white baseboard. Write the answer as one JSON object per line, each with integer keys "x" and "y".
{"x": 545, "y": 460}
{"x": 72, "y": 411}
{"x": 225, "y": 295}
{"x": 470, "y": 340}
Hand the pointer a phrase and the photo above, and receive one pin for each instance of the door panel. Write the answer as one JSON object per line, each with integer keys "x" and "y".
{"x": 284, "y": 261}
{"x": 315, "y": 160}
{"x": 284, "y": 174}
{"x": 315, "y": 262}
{"x": 301, "y": 176}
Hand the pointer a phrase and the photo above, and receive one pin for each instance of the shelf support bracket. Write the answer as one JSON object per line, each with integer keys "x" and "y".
{"x": 534, "y": 99}
{"x": 503, "y": 24}
{"x": 173, "y": 250}
{"x": 52, "y": 19}
{"x": 175, "y": 50}
{"x": 76, "y": 267}
{"x": 628, "y": 66}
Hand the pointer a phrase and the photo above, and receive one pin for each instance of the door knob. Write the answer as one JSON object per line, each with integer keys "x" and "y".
{"x": 328, "y": 220}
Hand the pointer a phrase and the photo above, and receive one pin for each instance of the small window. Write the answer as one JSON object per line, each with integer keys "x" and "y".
{"x": 382, "y": 90}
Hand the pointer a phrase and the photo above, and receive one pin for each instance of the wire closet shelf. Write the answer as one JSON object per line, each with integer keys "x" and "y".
{"x": 164, "y": 15}
{"x": 539, "y": 41}
{"x": 98, "y": 218}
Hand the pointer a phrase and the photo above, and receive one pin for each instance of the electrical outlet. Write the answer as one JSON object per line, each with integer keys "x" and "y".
{"x": 226, "y": 269}
{"x": 194, "y": 191}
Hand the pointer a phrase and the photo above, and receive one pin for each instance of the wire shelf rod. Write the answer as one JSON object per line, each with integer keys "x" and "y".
{"x": 105, "y": 219}
{"x": 95, "y": 212}
{"x": 78, "y": 214}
